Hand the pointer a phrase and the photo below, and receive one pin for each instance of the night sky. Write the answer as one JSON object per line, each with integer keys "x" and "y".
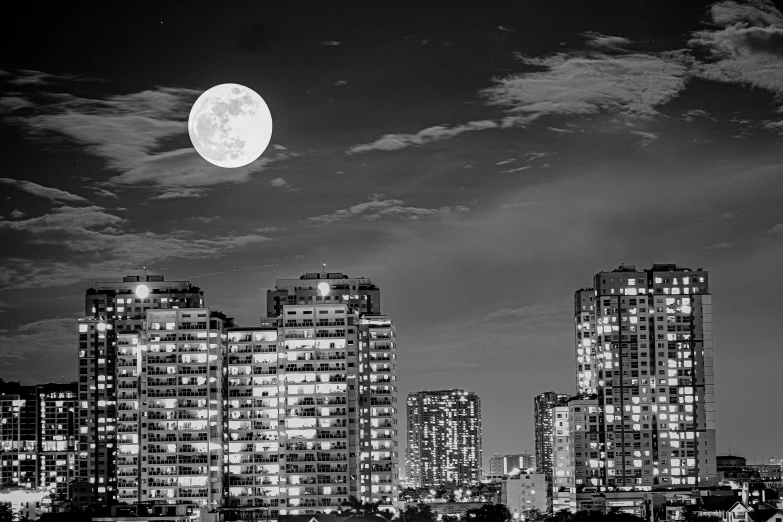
{"x": 478, "y": 161}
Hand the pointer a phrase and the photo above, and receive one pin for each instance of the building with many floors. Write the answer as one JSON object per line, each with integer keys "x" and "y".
{"x": 505, "y": 464}
{"x": 644, "y": 347}
{"x": 314, "y": 388}
{"x": 444, "y": 438}
{"x": 112, "y": 308}
{"x": 543, "y": 405}
{"x": 643, "y": 418}
{"x": 38, "y": 436}
{"x": 170, "y": 404}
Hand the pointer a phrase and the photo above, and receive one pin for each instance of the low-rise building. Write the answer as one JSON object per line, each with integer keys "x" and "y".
{"x": 524, "y": 491}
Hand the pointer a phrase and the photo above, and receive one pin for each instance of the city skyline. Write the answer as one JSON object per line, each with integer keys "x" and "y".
{"x": 479, "y": 164}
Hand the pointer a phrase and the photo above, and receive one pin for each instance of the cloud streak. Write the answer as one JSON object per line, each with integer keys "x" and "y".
{"x": 375, "y": 210}
{"x": 604, "y": 79}
{"x": 44, "y": 192}
{"x": 128, "y": 132}
{"x": 91, "y": 240}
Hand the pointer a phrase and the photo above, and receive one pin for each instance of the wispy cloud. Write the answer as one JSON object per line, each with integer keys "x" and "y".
{"x": 605, "y": 79}
{"x": 10, "y": 104}
{"x": 647, "y": 137}
{"x": 719, "y": 246}
{"x": 27, "y": 345}
{"x": 391, "y": 142}
{"x": 92, "y": 240}
{"x": 534, "y": 315}
{"x": 777, "y": 229}
{"x": 692, "y": 114}
{"x": 560, "y": 131}
{"x": 331, "y": 43}
{"x": 505, "y": 162}
{"x": 602, "y": 41}
{"x": 128, "y": 131}
{"x": 745, "y": 47}
{"x": 27, "y": 77}
{"x": 374, "y": 210}
{"x": 632, "y": 84}
{"x": 44, "y": 192}
{"x": 518, "y": 169}
{"x": 106, "y": 193}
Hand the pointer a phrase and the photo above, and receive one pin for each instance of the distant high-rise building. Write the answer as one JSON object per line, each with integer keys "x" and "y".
{"x": 112, "y": 308}
{"x": 644, "y": 352}
{"x": 543, "y": 419}
{"x": 505, "y": 464}
{"x": 38, "y": 434}
{"x": 562, "y": 463}
{"x": 316, "y": 382}
{"x": 444, "y": 438}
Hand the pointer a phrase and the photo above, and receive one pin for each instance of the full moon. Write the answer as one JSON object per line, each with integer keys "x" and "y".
{"x": 230, "y": 125}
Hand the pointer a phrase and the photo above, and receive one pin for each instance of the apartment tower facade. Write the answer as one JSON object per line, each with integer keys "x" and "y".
{"x": 644, "y": 354}
{"x": 114, "y": 308}
{"x": 314, "y": 388}
{"x": 444, "y": 438}
{"x": 543, "y": 414}
{"x": 38, "y": 436}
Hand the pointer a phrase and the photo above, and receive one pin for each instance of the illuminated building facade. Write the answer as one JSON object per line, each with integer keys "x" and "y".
{"x": 562, "y": 467}
{"x": 170, "y": 427}
{"x": 505, "y": 464}
{"x": 113, "y": 308}
{"x": 543, "y": 405}
{"x": 444, "y": 438}
{"x": 312, "y": 401}
{"x": 522, "y": 492}
{"x": 38, "y": 436}
{"x": 644, "y": 346}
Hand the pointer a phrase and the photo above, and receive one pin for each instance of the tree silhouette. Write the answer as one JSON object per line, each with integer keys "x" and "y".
{"x": 372, "y": 509}
{"x": 6, "y": 513}
{"x": 416, "y": 513}
{"x": 488, "y": 513}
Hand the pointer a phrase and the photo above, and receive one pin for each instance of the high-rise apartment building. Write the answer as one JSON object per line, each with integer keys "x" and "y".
{"x": 444, "y": 438}
{"x": 562, "y": 472}
{"x": 170, "y": 404}
{"x": 314, "y": 388}
{"x": 38, "y": 436}
{"x": 505, "y": 464}
{"x": 112, "y": 308}
{"x": 644, "y": 348}
{"x": 543, "y": 421}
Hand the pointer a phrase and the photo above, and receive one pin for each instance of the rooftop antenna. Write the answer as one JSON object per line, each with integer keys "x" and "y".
{"x": 323, "y": 261}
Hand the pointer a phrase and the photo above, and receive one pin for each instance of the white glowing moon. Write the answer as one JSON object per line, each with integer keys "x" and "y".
{"x": 323, "y": 288}
{"x": 230, "y": 125}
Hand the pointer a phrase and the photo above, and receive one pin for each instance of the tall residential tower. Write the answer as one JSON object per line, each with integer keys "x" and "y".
{"x": 644, "y": 350}
{"x": 543, "y": 413}
{"x": 112, "y": 308}
{"x": 444, "y": 438}
{"x": 312, "y": 400}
